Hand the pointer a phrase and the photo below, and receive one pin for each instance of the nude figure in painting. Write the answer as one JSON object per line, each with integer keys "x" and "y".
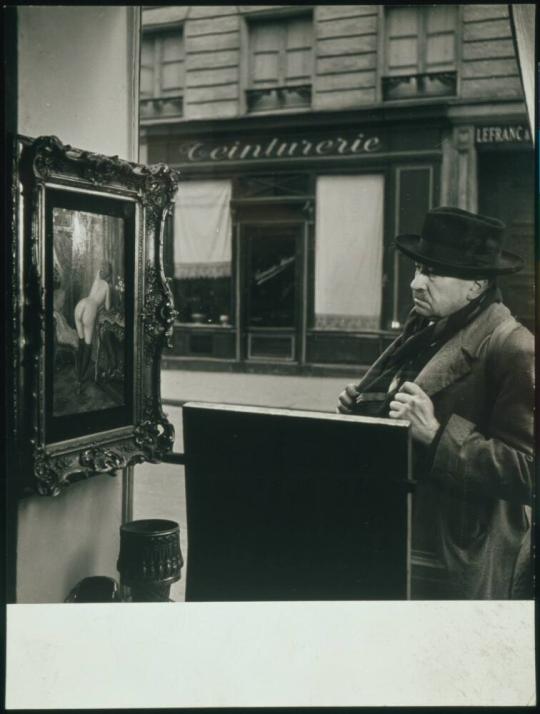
{"x": 86, "y": 312}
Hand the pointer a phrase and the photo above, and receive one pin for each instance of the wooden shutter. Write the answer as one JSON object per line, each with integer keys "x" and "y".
{"x": 402, "y": 33}
{"x": 172, "y": 63}
{"x": 440, "y": 37}
{"x": 266, "y": 40}
{"x": 147, "y": 66}
{"x": 298, "y": 51}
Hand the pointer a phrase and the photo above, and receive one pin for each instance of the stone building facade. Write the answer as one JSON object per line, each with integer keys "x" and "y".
{"x": 307, "y": 137}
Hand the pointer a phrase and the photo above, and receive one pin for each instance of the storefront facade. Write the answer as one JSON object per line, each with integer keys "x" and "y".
{"x": 303, "y": 271}
{"x": 280, "y": 251}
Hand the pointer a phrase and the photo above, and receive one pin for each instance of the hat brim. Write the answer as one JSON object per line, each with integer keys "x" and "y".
{"x": 506, "y": 263}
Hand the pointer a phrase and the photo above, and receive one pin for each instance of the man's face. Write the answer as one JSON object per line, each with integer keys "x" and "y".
{"x": 438, "y": 295}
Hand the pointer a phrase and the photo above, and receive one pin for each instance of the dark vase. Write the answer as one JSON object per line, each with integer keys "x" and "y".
{"x": 150, "y": 559}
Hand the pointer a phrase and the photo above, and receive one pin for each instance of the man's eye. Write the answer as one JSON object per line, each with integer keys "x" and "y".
{"x": 425, "y": 270}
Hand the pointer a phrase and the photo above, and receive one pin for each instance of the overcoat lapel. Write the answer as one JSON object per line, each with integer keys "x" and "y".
{"x": 448, "y": 365}
{"x": 456, "y": 357}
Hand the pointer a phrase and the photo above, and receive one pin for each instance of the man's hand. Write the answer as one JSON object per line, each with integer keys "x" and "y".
{"x": 413, "y": 404}
{"x": 347, "y": 399}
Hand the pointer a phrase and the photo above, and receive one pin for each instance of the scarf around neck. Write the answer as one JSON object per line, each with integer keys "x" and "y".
{"x": 420, "y": 340}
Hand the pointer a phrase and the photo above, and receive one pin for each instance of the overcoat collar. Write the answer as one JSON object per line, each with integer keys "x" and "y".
{"x": 456, "y": 357}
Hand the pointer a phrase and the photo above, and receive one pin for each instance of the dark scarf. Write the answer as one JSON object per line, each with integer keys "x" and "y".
{"x": 412, "y": 350}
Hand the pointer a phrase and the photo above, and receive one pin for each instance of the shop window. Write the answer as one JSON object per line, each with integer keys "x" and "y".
{"x": 202, "y": 253}
{"x": 162, "y": 74}
{"x": 280, "y": 62}
{"x": 348, "y": 259}
{"x": 420, "y": 51}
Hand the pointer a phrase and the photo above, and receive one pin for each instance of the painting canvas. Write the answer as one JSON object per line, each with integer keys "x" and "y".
{"x": 88, "y": 311}
{"x": 93, "y": 312}
{"x": 89, "y": 299}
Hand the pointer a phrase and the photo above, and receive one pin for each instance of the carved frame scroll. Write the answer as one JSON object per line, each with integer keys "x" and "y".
{"x": 92, "y": 311}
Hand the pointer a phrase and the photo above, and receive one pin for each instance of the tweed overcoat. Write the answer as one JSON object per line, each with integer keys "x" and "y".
{"x": 473, "y": 501}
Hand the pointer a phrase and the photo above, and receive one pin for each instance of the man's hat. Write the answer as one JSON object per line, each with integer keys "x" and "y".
{"x": 460, "y": 243}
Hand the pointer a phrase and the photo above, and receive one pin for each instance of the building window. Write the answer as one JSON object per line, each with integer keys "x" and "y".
{"x": 420, "y": 52}
{"x": 280, "y": 63}
{"x": 162, "y": 74}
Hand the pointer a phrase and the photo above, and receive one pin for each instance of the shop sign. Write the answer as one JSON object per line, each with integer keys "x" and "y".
{"x": 503, "y": 134}
{"x": 275, "y": 147}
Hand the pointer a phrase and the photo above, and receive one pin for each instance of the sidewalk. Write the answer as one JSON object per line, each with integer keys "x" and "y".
{"x": 291, "y": 392}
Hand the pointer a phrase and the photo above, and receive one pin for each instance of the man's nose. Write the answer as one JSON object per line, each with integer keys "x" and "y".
{"x": 419, "y": 281}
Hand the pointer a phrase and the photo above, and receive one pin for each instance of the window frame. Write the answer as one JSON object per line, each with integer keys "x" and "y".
{"x": 281, "y": 15}
{"x": 422, "y": 37}
{"x": 157, "y": 33}
{"x": 382, "y": 66}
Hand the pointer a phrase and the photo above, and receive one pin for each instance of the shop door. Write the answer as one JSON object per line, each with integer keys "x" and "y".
{"x": 271, "y": 257}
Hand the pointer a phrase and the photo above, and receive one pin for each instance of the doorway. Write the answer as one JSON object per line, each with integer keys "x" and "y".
{"x": 271, "y": 290}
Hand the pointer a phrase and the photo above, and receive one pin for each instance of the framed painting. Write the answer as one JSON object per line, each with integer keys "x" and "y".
{"x": 92, "y": 312}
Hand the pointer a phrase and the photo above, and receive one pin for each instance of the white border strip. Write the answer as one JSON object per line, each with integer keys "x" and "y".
{"x": 270, "y": 654}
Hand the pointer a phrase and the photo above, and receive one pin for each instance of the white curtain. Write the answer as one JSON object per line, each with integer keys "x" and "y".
{"x": 202, "y": 230}
{"x": 348, "y": 252}
{"x": 523, "y": 16}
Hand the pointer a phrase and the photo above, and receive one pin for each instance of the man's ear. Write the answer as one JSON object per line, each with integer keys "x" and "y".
{"x": 477, "y": 288}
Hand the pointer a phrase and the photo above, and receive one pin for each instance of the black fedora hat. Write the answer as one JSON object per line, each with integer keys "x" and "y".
{"x": 460, "y": 243}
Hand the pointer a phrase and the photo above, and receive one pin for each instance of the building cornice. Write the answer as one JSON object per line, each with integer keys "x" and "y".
{"x": 434, "y": 114}
{"x": 370, "y": 116}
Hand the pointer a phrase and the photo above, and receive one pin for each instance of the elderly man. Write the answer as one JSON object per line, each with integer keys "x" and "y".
{"x": 462, "y": 374}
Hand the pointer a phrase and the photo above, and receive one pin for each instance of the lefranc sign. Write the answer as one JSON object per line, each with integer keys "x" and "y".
{"x": 274, "y": 147}
{"x": 502, "y": 134}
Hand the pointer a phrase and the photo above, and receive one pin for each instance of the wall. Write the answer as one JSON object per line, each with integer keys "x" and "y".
{"x": 348, "y": 44}
{"x": 346, "y": 56}
{"x": 489, "y": 67}
{"x": 74, "y": 76}
{"x": 75, "y": 81}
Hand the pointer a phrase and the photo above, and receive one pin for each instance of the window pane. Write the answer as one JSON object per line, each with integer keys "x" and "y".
{"x": 298, "y": 65}
{"x": 172, "y": 47}
{"x": 403, "y": 54}
{"x": 147, "y": 82}
{"x": 147, "y": 51}
{"x": 266, "y": 40}
{"x": 440, "y": 50}
{"x": 402, "y": 21}
{"x": 204, "y": 301}
{"x": 265, "y": 68}
{"x": 441, "y": 18}
{"x": 172, "y": 76}
{"x": 265, "y": 36}
{"x": 299, "y": 33}
{"x": 272, "y": 280}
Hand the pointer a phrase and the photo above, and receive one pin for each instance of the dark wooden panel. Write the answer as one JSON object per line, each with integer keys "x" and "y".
{"x": 287, "y": 505}
{"x": 415, "y": 197}
{"x": 344, "y": 349}
{"x": 506, "y": 191}
{"x": 225, "y": 345}
{"x": 190, "y": 342}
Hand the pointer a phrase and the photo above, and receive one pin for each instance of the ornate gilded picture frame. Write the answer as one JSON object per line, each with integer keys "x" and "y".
{"x": 92, "y": 312}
